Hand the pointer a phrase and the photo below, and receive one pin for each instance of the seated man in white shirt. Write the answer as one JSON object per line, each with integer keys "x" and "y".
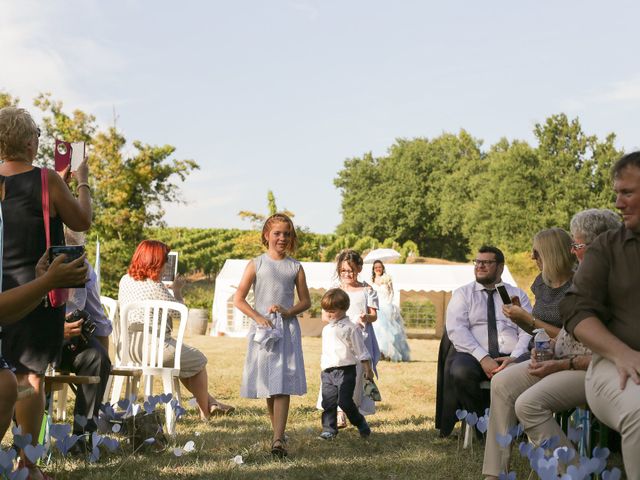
{"x": 342, "y": 348}
{"x": 485, "y": 340}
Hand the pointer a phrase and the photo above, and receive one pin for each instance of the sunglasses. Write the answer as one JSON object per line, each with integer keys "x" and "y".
{"x": 578, "y": 246}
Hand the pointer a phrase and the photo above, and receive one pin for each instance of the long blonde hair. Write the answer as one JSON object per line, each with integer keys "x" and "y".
{"x": 554, "y": 247}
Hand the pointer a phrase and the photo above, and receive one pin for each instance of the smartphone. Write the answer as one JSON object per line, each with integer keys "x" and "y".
{"x": 72, "y": 252}
{"x": 170, "y": 270}
{"x": 67, "y": 153}
{"x": 62, "y": 155}
{"x": 504, "y": 295}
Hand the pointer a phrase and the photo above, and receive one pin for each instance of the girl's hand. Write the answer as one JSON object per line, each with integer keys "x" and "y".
{"x": 263, "y": 322}
{"x": 60, "y": 274}
{"x": 281, "y": 310}
{"x": 362, "y": 320}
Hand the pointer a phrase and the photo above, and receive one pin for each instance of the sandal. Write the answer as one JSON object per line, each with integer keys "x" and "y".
{"x": 278, "y": 448}
{"x": 220, "y": 409}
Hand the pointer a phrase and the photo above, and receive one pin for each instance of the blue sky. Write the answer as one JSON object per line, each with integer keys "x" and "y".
{"x": 276, "y": 94}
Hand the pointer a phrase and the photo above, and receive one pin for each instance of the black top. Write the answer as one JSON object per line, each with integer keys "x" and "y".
{"x": 24, "y": 236}
{"x": 547, "y": 306}
{"x": 32, "y": 343}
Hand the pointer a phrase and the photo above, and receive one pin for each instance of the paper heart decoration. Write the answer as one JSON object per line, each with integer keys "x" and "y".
{"x": 34, "y": 453}
{"x": 461, "y": 414}
{"x": 504, "y": 440}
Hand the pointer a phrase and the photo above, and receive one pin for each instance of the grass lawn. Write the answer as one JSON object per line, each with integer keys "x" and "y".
{"x": 403, "y": 445}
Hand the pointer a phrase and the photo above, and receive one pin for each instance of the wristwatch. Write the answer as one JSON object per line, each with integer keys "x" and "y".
{"x": 571, "y": 365}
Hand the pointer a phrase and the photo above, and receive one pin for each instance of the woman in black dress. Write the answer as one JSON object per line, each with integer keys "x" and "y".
{"x": 35, "y": 341}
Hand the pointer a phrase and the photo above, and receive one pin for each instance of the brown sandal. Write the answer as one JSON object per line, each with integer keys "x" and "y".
{"x": 220, "y": 409}
{"x": 278, "y": 448}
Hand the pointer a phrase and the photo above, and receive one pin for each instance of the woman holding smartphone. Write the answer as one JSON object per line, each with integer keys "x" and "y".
{"x": 34, "y": 342}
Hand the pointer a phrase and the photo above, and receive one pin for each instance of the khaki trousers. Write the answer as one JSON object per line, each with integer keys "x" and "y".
{"x": 619, "y": 409}
{"x": 517, "y": 395}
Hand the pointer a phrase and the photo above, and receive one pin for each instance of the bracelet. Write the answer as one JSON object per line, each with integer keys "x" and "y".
{"x": 571, "y": 365}
{"x": 84, "y": 184}
{"x": 533, "y": 322}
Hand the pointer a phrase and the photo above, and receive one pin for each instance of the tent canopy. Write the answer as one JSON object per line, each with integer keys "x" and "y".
{"x": 322, "y": 276}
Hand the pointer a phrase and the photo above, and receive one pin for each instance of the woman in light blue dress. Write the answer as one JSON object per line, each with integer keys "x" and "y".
{"x": 389, "y": 327}
{"x": 274, "y": 367}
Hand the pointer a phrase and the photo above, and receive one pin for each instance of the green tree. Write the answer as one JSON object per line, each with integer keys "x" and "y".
{"x": 127, "y": 190}
{"x": 257, "y": 219}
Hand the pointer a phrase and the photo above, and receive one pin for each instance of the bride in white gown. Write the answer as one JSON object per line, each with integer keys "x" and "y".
{"x": 389, "y": 328}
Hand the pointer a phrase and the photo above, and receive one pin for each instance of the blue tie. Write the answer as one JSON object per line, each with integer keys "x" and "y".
{"x": 492, "y": 327}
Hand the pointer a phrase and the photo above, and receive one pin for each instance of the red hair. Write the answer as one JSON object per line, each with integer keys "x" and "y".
{"x": 148, "y": 260}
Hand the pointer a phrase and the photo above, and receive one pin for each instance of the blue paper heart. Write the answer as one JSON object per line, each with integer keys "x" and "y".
{"x": 95, "y": 455}
{"x": 6, "y": 460}
{"x": 60, "y": 430}
{"x": 20, "y": 440}
{"x": 65, "y": 443}
{"x": 576, "y": 473}
{"x": 96, "y": 439}
{"x": 525, "y": 448}
{"x": 516, "y": 430}
{"x": 507, "y": 476}
{"x": 564, "y": 454}
{"x": 472, "y": 419}
{"x": 34, "y": 453}
{"x": 107, "y": 410}
{"x": 504, "y": 440}
{"x": 20, "y": 474}
{"x": 461, "y": 414}
{"x": 81, "y": 420}
{"x": 614, "y": 474}
{"x": 124, "y": 404}
{"x": 550, "y": 443}
{"x": 110, "y": 443}
{"x": 165, "y": 397}
{"x": 148, "y": 407}
{"x": 482, "y": 425}
{"x": 602, "y": 453}
{"x": 547, "y": 468}
{"x": 574, "y": 434}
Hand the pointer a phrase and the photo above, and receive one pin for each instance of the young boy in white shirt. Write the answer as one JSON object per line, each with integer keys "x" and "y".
{"x": 342, "y": 348}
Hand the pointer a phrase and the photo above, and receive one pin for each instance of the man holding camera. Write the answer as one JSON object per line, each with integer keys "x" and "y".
{"x": 85, "y": 349}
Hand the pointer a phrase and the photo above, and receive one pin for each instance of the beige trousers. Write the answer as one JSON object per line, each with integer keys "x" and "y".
{"x": 619, "y": 409}
{"x": 517, "y": 395}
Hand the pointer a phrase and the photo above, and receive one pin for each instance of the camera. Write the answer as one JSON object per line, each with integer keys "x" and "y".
{"x": 86, "y": 329}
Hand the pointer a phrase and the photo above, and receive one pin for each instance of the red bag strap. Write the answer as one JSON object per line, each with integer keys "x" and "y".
{"x": 44, "y": 177}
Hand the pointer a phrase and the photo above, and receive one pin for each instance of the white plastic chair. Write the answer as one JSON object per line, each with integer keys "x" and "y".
{"x": 155, "y": 315}
{"x": 119, "y": 374}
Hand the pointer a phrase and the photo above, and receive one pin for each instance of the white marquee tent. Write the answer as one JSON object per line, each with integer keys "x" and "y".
{"x": 437, "y": 280}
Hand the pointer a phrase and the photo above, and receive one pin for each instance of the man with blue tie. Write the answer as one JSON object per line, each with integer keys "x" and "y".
{"x": 485, "y": 340}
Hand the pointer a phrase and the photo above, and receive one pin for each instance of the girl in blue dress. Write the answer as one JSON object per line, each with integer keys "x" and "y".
{"x": 274, "y": 367}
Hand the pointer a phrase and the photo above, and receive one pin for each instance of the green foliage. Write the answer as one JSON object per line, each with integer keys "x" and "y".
{"x": 127, "y": 189}
{"x": 449, "y": 197}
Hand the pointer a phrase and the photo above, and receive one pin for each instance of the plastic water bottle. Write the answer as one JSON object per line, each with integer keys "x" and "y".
{"x": 542, "y": 344}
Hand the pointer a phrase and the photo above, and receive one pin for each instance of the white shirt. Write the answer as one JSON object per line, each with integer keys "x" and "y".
{"x": 342, "y": 345}
{"x": 467, "y": 322}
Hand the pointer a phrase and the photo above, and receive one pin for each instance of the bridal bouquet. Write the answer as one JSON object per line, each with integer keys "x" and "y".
{"x": 385, "y": 279}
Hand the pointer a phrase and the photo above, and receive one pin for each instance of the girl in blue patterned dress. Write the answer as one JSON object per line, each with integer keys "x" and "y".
{"x": 274, "y": 367}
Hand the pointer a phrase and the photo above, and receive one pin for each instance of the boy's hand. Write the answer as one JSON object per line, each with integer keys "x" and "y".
{"x": 368, "y": 371}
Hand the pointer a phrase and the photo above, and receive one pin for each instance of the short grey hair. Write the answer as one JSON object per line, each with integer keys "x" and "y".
{"x": 590, "y": 223}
